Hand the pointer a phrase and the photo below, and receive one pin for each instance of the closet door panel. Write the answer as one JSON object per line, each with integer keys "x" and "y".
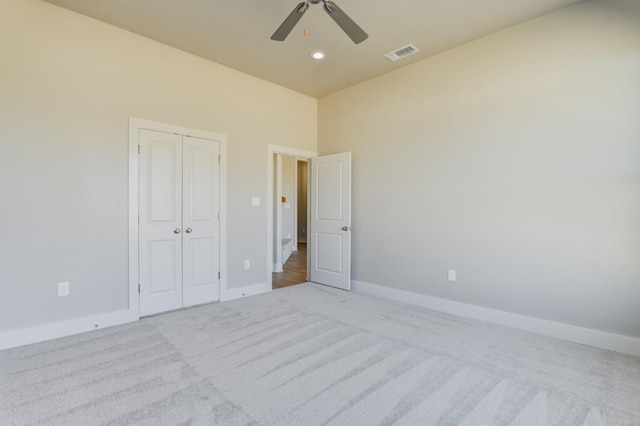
{"x": 201, "y": 207}
{"x": 160, "y": 211}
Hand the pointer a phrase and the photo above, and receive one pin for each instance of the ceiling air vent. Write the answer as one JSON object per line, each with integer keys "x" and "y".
{"x": 407, "y": 50}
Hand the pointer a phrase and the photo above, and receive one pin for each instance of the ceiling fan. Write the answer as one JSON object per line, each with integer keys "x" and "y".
{"x": 352, "y": 29}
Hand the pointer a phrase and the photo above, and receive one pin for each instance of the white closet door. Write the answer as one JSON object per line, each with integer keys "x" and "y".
{"x": 201, "y": 226}
{"x": 160, "y": 222}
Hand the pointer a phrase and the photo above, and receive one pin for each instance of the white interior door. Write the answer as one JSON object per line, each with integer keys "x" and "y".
{"x": 330, "y": 226}
{"x": 179, "y": 222}
{"x": 160, "y": 222}
{"x": 201, "y": 205}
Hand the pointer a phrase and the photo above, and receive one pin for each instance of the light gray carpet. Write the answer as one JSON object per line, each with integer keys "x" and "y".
{"x": 310, "y": 355}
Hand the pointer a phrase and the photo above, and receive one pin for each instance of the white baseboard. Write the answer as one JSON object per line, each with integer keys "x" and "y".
{"x": 572, "y": 333}
{"x": 41, "y": 333}
{"x": 251, "y": 290}
{"x": 277, "y": 267}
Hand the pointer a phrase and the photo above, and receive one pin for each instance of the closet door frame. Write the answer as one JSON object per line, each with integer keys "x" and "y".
{"x": 135, "y": 126}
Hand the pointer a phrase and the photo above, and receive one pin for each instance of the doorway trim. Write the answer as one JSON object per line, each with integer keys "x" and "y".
{"x": 271, "y": 151}
{"x": 135, "y": 125}
{"x": 277, "y": 244}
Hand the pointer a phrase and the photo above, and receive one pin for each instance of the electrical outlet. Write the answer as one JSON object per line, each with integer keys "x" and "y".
{"x": 451, "y": 274}
{"x": 63, "y": 289}
{"x": 247, "y": 264}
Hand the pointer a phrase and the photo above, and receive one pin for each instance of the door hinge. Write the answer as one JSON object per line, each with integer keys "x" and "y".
{"x": 138, "y": 288}
{"x": 218, "y": 274}
{"x": 218, "y": 216}
{"x": 138, "y": 149}
{"x": 218, "y": 159}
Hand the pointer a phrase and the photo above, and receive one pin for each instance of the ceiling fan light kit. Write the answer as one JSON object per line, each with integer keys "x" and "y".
{"x": 355, "y": 33}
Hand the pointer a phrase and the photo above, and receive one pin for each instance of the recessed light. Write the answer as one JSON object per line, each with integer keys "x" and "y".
{"x": 318, "y": 55}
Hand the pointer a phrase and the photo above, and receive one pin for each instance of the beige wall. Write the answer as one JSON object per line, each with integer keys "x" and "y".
{"x": 515, "y": 160}
{"x": 68, "y": 85}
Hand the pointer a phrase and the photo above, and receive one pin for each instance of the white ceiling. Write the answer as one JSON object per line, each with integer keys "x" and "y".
{"x": 237, "y": 33}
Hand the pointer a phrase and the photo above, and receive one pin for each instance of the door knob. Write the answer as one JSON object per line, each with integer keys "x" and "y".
{"x": 188, "y": 230}
{"x": 345, "y": 228}
{"x": 176, "y": 231}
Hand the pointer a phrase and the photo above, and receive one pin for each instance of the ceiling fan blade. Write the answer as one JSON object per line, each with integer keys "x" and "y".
{"x": 287, "y": 26}
{"x": 352, "y": 29}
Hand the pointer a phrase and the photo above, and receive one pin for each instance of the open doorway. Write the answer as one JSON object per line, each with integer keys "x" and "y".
{"x": 328, "y": 216}
{"x": 287, "y": 216}
{"x": 290, "y": 224}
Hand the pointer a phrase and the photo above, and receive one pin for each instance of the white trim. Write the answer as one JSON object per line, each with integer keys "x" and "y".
{"x": 271, "y": 151}
{"x": 223, "y": 218}
{"x": 41, "y": 333}
{"x": 295, "y": 205}
{"x": 572, "y": 333}
{"x": 135, "y": 125}
{"x": 251, "y": 290}
{"x": 134, "y": 129}
{"x": 306, "y": 240}
{"x": 279, "y": 262}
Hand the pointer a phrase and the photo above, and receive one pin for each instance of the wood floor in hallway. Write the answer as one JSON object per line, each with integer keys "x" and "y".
{"x": 295, "y": 270}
